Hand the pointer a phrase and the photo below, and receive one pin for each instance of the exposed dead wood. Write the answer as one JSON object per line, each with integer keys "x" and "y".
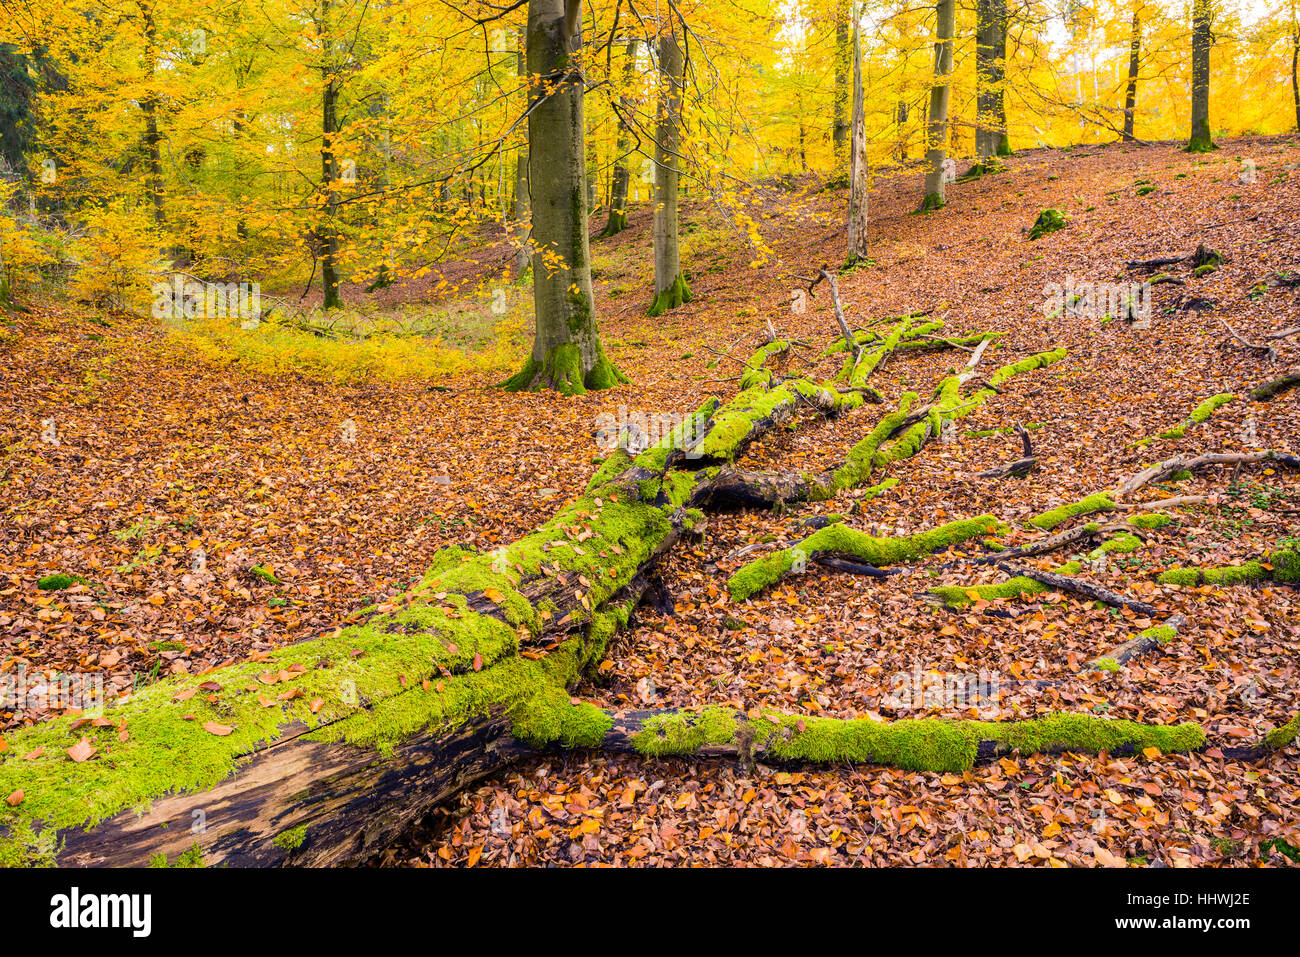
{"x": 1017, "y": 469}
{"x": 1059, "y": 540}
{"x": 1261, "y": 348}
{"x": 1184, "y": 463}
{"x": 1020, "y": 467}
{"x": 1275, "y": 387}
{"x": 1079, "y": 587}
{"x": 1174, "y": 502}
{"x": 840, "y": 564}
{"x": 1137, "y": 645}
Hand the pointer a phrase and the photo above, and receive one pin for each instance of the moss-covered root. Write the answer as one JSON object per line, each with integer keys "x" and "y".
{"x": 562, "y": 371}
{"x": 961, "y": 596}
{"x": 1281, "y": 566}
{"x": 1199, "y": 415}
{"x": 1085, "y": 506}
{"x": 848, "y": 542}
{"x": 677, "y": 293}
{"x": 913, "y": 744}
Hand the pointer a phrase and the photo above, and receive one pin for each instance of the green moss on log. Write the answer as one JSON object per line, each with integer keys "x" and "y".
{"x": 1063, "y": 513}
{"x": 841, "y": 540}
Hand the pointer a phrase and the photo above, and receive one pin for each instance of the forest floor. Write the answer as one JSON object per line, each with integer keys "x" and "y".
{"x": 159, "y": 455}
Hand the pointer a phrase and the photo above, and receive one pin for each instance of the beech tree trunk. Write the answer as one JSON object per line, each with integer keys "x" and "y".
{"x": 984, "y": 58}
{"x": 522, "y": 206}
{"x": 937, "y": 132}
{"x": 620, "y": 178}
{"x": 327, "y": 233}
{"x": 567, "y": 353}
{"x": 840, "y": 119}
{"x": 1200, "y": 140}
{"x": 671, "y": 289}
{"x": 1295, "y": 67}
{"x": 1130, "y": 89}
{"x": 149, "y": 105}
{"x": 858, "y": 160}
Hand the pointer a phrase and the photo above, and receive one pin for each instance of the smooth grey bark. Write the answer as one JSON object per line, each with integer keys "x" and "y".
{"x": 1130, "y": 89}
{"x": 991, "y": 137}
{"x": 1200, "y": 140}
{"x": 670, "y": 287}
{"x": 567, "y": 354}
{"x": 857, "y": 159}
{"x": 937, "y": 132}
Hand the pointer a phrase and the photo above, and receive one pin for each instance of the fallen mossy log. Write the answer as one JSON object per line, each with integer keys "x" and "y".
{"x": 841, "y": 541}
{"x": 1275, "y": 387}
{"x": 323, "y": 751}
{"x": 1282, "y": 566}
{"x": 1139, "y": 644}
{"x": 916, "y": 744}
{"x": 1200, "y": 414}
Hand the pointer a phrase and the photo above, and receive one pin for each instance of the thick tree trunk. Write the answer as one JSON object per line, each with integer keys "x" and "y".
{"x": 671, "y": 289}
{"x": 858, "y": 161}
{"x": 1130, "y": 89}
{"x": 937, "y": 132}
{"x": 327, "y": 232}
{"x": 617, "y": 221}
{"x": 1200, "y": 140}
{"x": 567, "y": 354}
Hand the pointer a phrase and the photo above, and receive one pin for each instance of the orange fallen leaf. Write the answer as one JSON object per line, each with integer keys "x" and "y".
{"x": 218, "y": 729}
{"x": 16, "y": 798}
{"x": 82, "y": 750}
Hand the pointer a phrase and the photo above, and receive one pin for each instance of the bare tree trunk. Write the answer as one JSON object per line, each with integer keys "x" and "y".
{"x": 522, "y": 210}
{"x": 1201, "y": 141}
{"x": 997, "y": 75}
{"x": 670, "y": 286}
{"x": 149, "y": 105}
{"x": 567, "y": 354}
{"x": 985, "y": 52}
{"x": 327, "y": 234}
{"x": 858, "y": 159}
{"x": 937, "y": 133}
{"x": 1295, "y": 64}
{"x": 617, "y": 221}
{"x": 840, "y": 123}
{"x": 1130, "y": 91}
